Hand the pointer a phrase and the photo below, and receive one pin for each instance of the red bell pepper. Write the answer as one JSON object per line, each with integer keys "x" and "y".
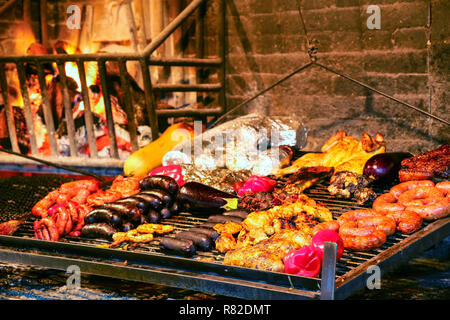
{"x": 323, "y": 236}
{"x": 257, "y": 184}
{"x": 303, "y": 262}
{"x": 173, "y": 171}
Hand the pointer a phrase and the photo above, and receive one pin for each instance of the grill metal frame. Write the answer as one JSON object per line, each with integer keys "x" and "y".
{"x": 147, "y": 263}
{"x": 145, "y": 60}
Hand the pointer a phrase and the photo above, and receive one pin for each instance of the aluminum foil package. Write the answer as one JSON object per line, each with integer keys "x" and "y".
{"x": 249, "y": 142}
{"x": 219, "y": 178}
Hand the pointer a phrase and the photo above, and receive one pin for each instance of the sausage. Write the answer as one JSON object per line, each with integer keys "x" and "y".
{"x": 152, "y": 200}
{"x": 165, "y": 183}
{"x": 103, "y": 215}
{"x": 201, "y": 240}
{"x": 174, "y": 208}
{"x": 236, "y": 213}
{"x": 153, "y": 216}
{"x": 127, "y": 226}
{"x": 139, "y": 203}
{"x": 124, "y": 209}
{"x": 166, "y": 198}
{"x": 211, "y": 233}
{"x": 209, "y": 225}
{"x": 178, "y": 246}
{"x": 218, "y": 218}
{"x": 165, "y": 213}
{"x": 98, "y": 230}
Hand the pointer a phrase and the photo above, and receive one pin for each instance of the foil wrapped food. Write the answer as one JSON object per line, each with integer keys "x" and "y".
{"x": 248, "y": 143}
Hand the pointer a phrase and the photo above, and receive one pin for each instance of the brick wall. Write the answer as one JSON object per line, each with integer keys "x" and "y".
{"x": 265, "y": 41}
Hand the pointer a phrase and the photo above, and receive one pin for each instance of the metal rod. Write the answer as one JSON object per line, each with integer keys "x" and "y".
{"x": 240, "y": 105}
{"x": 108, "y": 111}
{"x": 29, "y": 119}
{"x": 68, "y": 110}
{"x": 88, "y": 118}
{"x": 9, "y": 112}
{"x": 222, "y": 52}
{"x": 43, "y": 22}
{"x": 52, "y": 164}
{"x": 170, "y": 28}
{"x": 48, "y": 115}
{"x": 150, "y": 102}
{"x": 7, "y": 6}
{"x": 185, "y": 62}
{"x": 190, "y": 112}
{"x": 328, "y": 282}
{"x": 200, "y": 39}
{"x": 128, "y": 105}
{"x": 187, "y": 87}
{"x": 382, "y": 93}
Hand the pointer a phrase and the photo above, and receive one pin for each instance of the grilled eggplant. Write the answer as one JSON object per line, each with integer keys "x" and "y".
{"x": 198, "y": 197}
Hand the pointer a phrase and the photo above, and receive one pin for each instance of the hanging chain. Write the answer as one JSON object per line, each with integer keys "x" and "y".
{"x": 311, "y": 44}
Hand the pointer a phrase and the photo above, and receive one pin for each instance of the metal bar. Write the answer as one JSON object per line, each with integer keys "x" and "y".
{"x": 182, "y": 272}
{"x": 88, "y": 118}
{"x": 170, "y": 28}
{"x": 222, "y": 53}
{"x": 7, "y": 6}
{"x": 382, "y": 93}
{"x": 156, "y": 275}
{"x": 52, "y": 164}
{"x": 187, "y": 87}
{"x": 200, "y": 38}
{"x": 132, "y": 24}
{"x": 68, "y": 110}
{"x": 29, "y": 119}
{"x": 240, "y": 105}
{"x": 150, "y": 102}
{"x": 154, "y": 61}
{"x": 185, "y": 62}
{"x": 108, "y": 111}
{"x": 9, "y": 112}
{"x": 48, "y": 115}
{"x": 328, "y": 271}
{"x": 128, "y": 105}
{"x": 43, "y": 22}
{"x": 190, "y": 112}
{"x": 72, "y": 57}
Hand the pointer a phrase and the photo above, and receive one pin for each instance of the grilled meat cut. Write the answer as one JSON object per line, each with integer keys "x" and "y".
{"x": 342, "y": 152}
{"x": 431, "y": 165}
{"x": 346, "y": 184}
{"x": 268, "y": 254}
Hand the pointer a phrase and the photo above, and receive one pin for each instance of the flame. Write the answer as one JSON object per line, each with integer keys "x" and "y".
{"x": 25, "y": 37}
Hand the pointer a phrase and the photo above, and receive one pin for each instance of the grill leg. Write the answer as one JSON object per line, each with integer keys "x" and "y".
{"x": 328, "y": 271}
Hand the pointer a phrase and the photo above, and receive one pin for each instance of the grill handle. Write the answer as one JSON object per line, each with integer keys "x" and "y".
{"x": 328, "y": 281}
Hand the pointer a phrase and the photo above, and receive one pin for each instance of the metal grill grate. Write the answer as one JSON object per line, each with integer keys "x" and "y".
{"x": 184, "y": 221}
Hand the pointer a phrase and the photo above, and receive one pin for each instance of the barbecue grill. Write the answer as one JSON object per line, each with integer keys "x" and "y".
{"x": 205, "y": 271}
{"x": 147, "y": 263}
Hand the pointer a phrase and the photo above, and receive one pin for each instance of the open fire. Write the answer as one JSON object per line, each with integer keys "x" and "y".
{"x": 96, "y": 100}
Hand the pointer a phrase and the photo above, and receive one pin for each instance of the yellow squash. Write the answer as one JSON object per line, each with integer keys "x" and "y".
{"x": 142, "y": 161}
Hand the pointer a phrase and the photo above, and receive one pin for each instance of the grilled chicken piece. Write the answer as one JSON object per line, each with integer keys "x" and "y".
{"x": 342, "y": 152}
{"x": 225, "y": 242}
{"x": 228, "y": 227}
{"x": 303, "y": 205}
{"x": 268, "y": 254}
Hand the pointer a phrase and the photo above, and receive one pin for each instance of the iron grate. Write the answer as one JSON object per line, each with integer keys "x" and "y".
{"x": 33, "y": 188}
